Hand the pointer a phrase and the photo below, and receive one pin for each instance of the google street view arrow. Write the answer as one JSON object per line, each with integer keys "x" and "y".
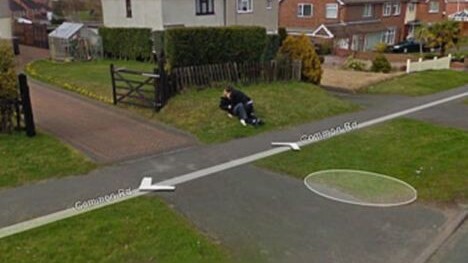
{"x": 147, "y": 186}
{"x": 291, "y": 145}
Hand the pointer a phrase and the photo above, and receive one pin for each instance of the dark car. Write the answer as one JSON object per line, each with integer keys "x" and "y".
{"x": 407, "y": 46}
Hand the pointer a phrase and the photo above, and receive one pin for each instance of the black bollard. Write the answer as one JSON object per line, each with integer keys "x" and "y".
{"x": 27, "y": 108}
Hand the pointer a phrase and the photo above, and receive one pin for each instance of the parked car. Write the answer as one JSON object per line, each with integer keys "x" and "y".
{"x": 408, "y": 46}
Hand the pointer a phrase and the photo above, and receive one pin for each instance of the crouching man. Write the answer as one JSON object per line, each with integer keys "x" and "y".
{"x": 236, "y": 103}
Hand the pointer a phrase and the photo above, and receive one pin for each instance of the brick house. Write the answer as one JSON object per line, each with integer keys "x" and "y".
{"x": 454, "y": 6}
{"x": 162, "y": 14}
{"x": 423, "y": 12}
{"x": 350, "y": 25}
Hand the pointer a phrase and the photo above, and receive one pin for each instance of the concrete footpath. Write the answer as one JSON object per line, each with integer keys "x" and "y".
{"x": 455, "y": 250}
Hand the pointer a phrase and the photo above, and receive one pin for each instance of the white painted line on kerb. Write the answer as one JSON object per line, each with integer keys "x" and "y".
{"x": 67, "y": 213}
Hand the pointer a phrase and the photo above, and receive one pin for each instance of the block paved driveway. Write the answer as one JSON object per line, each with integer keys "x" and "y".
{"x": 103, "y": 133}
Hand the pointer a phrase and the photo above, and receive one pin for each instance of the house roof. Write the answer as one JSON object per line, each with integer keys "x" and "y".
{"x": 24, "y": 5}
{"x": 460, "y": 16}
{"x": 66, "y": 30}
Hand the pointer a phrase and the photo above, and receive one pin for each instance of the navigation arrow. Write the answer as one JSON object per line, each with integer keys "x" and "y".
{"x": 292, "y": 145}
{"x": 147, "y": 186}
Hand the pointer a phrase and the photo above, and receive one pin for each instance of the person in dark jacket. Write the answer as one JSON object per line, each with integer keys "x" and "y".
{"x": 239, "y": 105}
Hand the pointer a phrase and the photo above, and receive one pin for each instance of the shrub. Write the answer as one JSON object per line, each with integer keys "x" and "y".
{"x": 381, "y": 64}
{"x": 283, "y": 34}
{"x": 8, "y": 89}
{"x": 301, "y": 48}
{"x": 380, "y": 47}
{"x": 272, "y": 47}
{"x": 8, "y": 85}
{"x": 211, "y": 45}
{"x": 127, "y": 43}
{"x": 354, "y": 64}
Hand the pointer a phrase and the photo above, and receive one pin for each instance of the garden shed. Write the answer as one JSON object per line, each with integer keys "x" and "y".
{"x": 75, "y": 41}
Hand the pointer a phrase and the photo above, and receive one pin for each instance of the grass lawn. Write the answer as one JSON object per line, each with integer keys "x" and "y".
{"x": 139, "y": 230}
{"x": 421, "y": 83}
{"x": 91, "y": 78}
{"x": 281, "y": 104}
{"x": 24, "y": 159}
{"x": 430, "y": 158}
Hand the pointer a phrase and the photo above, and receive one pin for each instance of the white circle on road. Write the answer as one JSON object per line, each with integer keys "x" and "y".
{"x": 361, "y": 188}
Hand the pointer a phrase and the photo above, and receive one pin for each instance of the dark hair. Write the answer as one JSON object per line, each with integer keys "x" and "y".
{"x": 229, "y": 88}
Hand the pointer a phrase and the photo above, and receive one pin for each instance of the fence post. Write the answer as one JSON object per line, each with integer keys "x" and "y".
{"x": 408, "y": 66}
{"x": 114, "y": 92}
{"x": 27, "y": 108}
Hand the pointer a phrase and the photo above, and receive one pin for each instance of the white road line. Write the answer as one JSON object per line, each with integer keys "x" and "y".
{"x": 64, "y": 214}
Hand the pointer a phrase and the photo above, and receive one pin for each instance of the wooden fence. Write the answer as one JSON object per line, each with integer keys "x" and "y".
{"x": 431, "y": 64}
{"x": 35, "y": 35}
{"x": 249, "y": 72}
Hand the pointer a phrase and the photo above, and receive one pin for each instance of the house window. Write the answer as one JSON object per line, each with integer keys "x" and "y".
{"x": 367, "y": 10}
{"x": 128, "y": 6}
{"x": 305, "y": 10}
{"x": 244, "y": 6}
{"x": 331, "y": 11}
{"x": 269, "y": 4}
{"x": 387, "y": 9}
{"x": 434, "y": 7}
{"x": 355, "y": 43}
{"x": 389, "y": 36}
{"x": 396, "y": 9}
{"x": 204, "y": 7}
{"x": 411, "y": 7}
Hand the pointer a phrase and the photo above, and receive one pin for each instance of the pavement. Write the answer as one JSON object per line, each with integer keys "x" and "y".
{"x": 455, "y": 250}
{"x": 105, "y": 134}
{"x": 272, "y": 218}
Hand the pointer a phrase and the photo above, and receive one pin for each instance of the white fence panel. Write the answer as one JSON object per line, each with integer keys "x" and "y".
{"x": 434, "y": 64}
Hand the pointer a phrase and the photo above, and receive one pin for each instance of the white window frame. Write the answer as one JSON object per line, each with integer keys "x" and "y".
{"x": 269, "y": 4}
{"x": 396, "y": 8}
{"x": 240, "y": 4}
{"x": 389, "y": 36}
{"x": 411, "y": 7}
{"x": 368, "y": 10}
{"x": 431, "y": 6}
{"x": 387, "y": 9}
{"x": 333, "y": 6}
{"x": 300, "y": 10}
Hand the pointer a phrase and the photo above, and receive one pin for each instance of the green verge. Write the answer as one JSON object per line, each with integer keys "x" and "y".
{"x": 430, "y": 158}
{"x": 421, "y": 83}
{"x": 24, "y": 160}
{"x": 91, "y": 79}
{"x": 281, "y": 104}
{"x": 139, "y": 230}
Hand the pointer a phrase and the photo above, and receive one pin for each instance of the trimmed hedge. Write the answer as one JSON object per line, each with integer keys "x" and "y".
{"x": 211, "y": 45}
{"x": 273, "y": 43}
{"x": 127, "y": 43}
{"x": 8, "y": 85}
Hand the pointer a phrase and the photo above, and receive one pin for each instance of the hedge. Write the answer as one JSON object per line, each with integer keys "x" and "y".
{"x": 8, "y": 85}
{"x": 273, "y": 43}
{"x": 127, "y": 43}
{"x": 211, "y": 45}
